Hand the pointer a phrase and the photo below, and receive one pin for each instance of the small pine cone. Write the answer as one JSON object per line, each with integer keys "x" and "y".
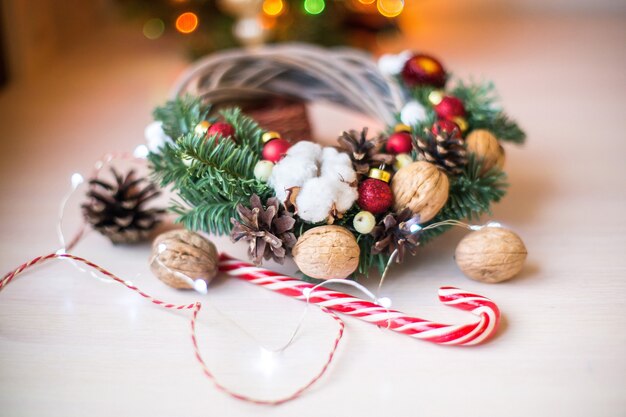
{"x": 446, "y": 150}
{"x": 268, "y": 229}
{"x": 117, "y": 209}
{"x": 364, "y": 152}
{"x": 397, "y": 231}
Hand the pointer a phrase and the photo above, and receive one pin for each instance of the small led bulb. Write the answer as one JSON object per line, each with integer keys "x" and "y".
{"x": 200, "y": 285}
{"x": 77, "y": 180}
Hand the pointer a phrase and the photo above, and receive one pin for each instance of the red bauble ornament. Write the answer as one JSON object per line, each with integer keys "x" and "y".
{"x": 450, "y": 107}
{"x": 423, "y": 69}
{"x": 446, "y": 126}
{"x": 275, "y": 149}
{"x": 226, "y": 130}
{"x": 399, "y": 142}
{"x": 375, "y": 196}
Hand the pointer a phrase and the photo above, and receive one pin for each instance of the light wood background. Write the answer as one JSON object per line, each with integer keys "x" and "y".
{"x": 74, "y": 345}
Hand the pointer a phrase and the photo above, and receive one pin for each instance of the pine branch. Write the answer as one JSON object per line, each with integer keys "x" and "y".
{"x": 208, "y": 216}
{"x": 247, "y": 130}
{"x": 211, "y": 175}
{"x": 180, "y": 116}
{"x": 224, "y": 169}
{"x": 166, "y": 166}
{"x": 484, "y": 111}
{"x": 502, "y": 127}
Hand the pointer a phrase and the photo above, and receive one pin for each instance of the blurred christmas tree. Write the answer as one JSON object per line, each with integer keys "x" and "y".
{"x": 209, "y": 25}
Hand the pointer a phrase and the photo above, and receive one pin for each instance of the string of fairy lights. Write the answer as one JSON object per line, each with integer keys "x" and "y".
{"x": 255, "y": 16}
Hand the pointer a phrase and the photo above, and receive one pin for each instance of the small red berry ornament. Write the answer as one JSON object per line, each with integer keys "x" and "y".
{"x": 445, "y": 126}
{"x": 450, "y": 108}
{"x": 422, "y": 70}
{"x": 226, "y": 130}
{"x": 399, "y": 142}
{"x": 375, "y": 193}
{"x": 275, "y": 147}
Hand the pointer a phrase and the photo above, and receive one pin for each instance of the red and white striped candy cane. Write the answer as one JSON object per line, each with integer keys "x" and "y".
{"x": 445, "y": 334}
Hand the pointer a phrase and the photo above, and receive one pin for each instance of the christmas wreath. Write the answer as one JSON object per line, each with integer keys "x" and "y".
{"x": 338, "y": 210}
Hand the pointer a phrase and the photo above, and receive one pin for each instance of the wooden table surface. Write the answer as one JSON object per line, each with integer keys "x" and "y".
{"x": 72, "y": 344}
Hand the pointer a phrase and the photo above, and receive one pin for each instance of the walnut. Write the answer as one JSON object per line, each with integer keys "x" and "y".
{"x": 326, "y": 252}
{"x": 180, "y": 256}
{"x": 422, "y": 188}
{"x": 487, "y": 149}
{"x": 491, "y": 254}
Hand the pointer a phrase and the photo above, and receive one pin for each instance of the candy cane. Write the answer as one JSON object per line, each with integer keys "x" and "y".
{"x": 445, "y": 334}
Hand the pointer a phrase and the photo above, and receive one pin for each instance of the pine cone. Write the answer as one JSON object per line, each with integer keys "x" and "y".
{"x": 394, "y": 232}
{"x": 116, "y": 209}
{"x": 445, "y": 149}
{"x": 364, "y": 152}
{"x": 268, "y": 231}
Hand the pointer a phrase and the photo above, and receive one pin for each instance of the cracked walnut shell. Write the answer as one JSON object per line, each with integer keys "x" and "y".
{"x": 180, "y": 257}
{"x": 422, "y": 188}
{"x": 327, "y": 252}
{"x": 491, "y": 254}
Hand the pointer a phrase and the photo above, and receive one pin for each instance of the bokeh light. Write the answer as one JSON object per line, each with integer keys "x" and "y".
{"x": 390, "y": 8}
{"x": 249, "y": 30}
{"x": 314, "y": 6}
{"x": 273, "y": 7}
{"x": 367, "y": 1}
{"x": 187, "y": 22}
{"x": 153, "y": 28}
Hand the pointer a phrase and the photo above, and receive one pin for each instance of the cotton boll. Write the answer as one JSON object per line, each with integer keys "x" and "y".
{"x": 316, "y": 199}
{"x": 332, "y": 156}
{"x": 337, "y": 165}
{"x": 413, "y": 113}
{"x": 345, "y": 196}
{"x": 306, "y": 150}
{"x": 291, "y": 172}
{"x": 338, "y": 172}
{"x": 329, "y": 153}
{"x": 155, "y": 136}
{"x": 391, "y": 64}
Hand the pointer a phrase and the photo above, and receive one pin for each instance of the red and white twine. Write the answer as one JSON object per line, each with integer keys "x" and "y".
{"x": 195, "y": 308}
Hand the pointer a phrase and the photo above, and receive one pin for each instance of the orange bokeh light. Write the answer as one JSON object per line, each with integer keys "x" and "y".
{"x": 390, "y": 8}
{"x": 273, "y": 7}
{"x": 187, "y": 22}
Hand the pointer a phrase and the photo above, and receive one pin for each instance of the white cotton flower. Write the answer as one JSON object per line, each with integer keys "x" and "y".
{"x": 392, "y": 64}
{"x": 413, "y": 113}
{"x": 291, "y": 172}
{"x": 315, "y": 200}
{"x": 339, "y": 172}
{"x": 155, "y": 136}
{"x": 332, "y": 155}
{"x": 306, "y": 150}
{"x": 345, "y": 196}
{"x": 337, "y": 165}
{"x": 325, "y": 176}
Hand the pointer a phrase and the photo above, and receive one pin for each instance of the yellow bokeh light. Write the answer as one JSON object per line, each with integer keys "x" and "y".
{"x": 367, "y": 1}
{"x": 273, "y": 7}
{"x": 390, "y": 8}
{"x": 186, "y": 22}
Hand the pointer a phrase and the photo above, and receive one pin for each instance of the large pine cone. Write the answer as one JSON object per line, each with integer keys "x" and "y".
{"x": 117, "y": 209}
